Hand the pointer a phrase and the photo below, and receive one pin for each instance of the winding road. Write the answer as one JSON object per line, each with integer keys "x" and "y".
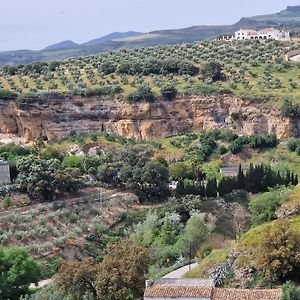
{"x": 179, "y": 273}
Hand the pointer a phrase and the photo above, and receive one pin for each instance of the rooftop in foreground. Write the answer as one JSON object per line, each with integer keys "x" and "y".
{"x": 203, "y": 289}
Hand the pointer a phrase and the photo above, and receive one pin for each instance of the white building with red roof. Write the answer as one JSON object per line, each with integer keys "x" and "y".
{"x": 263, "y": 34}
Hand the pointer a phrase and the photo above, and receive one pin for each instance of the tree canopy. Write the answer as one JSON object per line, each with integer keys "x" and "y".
{"x": 17, "y": 272}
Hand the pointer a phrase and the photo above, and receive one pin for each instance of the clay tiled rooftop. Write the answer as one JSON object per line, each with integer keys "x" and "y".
{"x": 204, "y": 288}
{"x": 194, "y": 288}
{"x": 178, "y": 291}
{"x": 241, "y": 294}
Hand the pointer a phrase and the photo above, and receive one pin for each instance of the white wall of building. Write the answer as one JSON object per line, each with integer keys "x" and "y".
{"x": 4, "y": 174}
{"x": 264, "y": 34}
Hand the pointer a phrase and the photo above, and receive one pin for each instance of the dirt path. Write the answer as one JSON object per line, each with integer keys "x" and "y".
{"x": 41, "y": 284}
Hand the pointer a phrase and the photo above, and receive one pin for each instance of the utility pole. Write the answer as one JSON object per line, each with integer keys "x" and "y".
{"x": 190, "y": 258}
{"x": 100, "y": 199}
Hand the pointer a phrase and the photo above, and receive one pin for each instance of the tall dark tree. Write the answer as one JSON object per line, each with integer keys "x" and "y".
{"x": 211, "y": 188}
{"x": 241, "y": 178}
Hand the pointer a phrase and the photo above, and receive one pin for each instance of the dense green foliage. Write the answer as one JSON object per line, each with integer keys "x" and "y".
{"x": 254, "y": 141}
{"x": 294, "y": 145}
{"x": 17, "y": 272}
{"x": 263, "y": 208}
{"x": 290, "y": 110}
{"x": 120, "y": 276}
{"x": 256, "y": 179}
{"x": 131, "y": 167}
{"x": 44, "y": 179}
{"x": 175, "y": 231}
{"x": 278, "y": 253}
{"x": 290, "y": 292}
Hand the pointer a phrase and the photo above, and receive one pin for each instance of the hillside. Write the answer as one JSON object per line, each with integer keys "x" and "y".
{"x": 126, "y": 93}
{"x": 111, "y": 37}
{"x": 289, "y": 18}
{"x": 61, "y": 45}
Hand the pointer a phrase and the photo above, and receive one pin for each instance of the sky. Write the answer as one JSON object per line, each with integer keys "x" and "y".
{"x": 35, "y": 24}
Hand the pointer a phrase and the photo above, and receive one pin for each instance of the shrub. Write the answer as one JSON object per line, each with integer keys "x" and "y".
{"x": 263, "y": 208}
{"x": 7, "y": 95}
{"x": 169, "y": 92}
{"x": 278, "y": 252}
{"x": 73, "y": 161}
{"x": 187, "y": 68}
{"x": 7, "y": 201}
{"x": 211, "y": 70}
{"x": 142, "y": 93}
{"x": 25, "y": 99}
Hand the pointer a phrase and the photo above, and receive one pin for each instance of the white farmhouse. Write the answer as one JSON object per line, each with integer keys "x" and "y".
{"x": 263, "y": 34}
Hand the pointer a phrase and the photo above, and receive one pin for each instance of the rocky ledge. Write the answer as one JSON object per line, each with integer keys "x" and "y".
{"x": 59, "y": 118}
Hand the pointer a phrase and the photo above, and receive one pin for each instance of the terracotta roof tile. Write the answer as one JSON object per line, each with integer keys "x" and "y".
{"x": 178, "y": 291}
{"x": 242, "y": 294}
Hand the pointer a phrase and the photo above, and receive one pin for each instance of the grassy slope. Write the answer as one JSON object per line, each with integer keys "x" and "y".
{"x": 250, "y": 240}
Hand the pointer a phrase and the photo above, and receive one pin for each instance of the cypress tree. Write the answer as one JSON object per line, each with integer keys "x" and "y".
{"x": 241, "y": 179}
{"x": 180, "y": 190}
{"x": 226, "y": 185}
{"x": 211, "y": 188}
{"x": 287, "y": 180}
{"x": 296, "y": 180}
{"x": 199, "y": 189}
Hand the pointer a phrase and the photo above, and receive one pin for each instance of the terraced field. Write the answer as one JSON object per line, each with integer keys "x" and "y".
{"x": 48, "y": 228}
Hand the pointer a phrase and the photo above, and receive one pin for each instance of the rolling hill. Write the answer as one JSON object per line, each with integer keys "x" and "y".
{"x": 288, "y": 18}
{"x": 61, "y": 45}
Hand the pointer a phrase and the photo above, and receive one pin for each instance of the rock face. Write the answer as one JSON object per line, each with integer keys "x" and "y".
{"x": 59, "y": 118}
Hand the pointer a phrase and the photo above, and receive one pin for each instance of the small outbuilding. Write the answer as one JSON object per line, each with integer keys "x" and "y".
{"x": 4, "y": 172}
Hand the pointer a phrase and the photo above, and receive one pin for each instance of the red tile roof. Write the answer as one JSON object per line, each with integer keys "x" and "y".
{"x": 243, "y": 294}
{"x": 178, "y": 291}
{"x": 168, "y": 287}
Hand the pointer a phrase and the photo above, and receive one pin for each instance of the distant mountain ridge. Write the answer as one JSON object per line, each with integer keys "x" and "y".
{"x": 61, "y": 45}
{"x": 290, "y": 16}
{"x": 288, "y": 19}
{"x": 112, "y": 36}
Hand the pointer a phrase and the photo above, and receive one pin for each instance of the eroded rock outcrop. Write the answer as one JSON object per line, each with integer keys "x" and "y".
{"x": 59, "y": 118}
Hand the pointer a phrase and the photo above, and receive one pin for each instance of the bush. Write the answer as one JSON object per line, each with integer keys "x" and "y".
{"x": 7, "y": 95}
{"x": 293, "y": 144}
{"x": 7, "y": 202}
{"x": 25, "y": 99}
{"x": 169, "y": 92}
{"x": 211, "y": 70}
{"x": 278, "y": 252}
{"x": 289, "y": 110}
{"x": 263, "y": 208}
{"x": 290, "y": 292}
{"x": 187, "y": 68}
{"x": 181, "y": 170}
{"x": 142, "y": 93}
{"x": 73, "y": 161}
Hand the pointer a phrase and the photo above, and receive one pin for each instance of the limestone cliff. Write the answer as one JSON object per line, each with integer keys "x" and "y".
{"x": 58, "y": 118}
